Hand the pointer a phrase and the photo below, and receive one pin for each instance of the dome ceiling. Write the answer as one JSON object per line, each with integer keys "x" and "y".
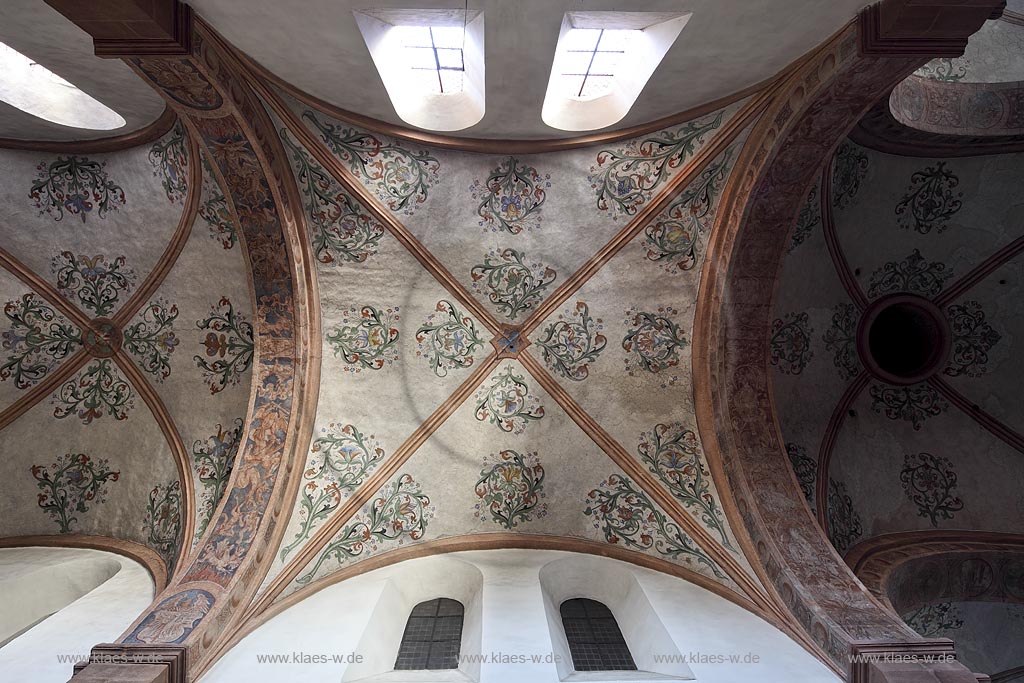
{"x": 722, "y": 50}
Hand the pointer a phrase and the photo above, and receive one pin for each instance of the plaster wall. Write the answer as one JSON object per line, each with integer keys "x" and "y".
{"x": 35, "y": 580}
{"x": 514, "y": 622}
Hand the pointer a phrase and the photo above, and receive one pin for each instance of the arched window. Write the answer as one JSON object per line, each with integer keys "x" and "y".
{"x": 432, "y": 636}
{"x": 595, "y": 641}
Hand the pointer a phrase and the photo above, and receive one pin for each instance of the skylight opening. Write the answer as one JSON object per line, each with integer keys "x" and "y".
{"x": 431, "y": 62}
{"x": 36, "y": 90}
{"x": 602, "y": 62}
{"x": 591, "y": 60}
{"x": 438, "y": 49}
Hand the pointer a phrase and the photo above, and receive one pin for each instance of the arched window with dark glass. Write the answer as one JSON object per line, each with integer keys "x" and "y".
{"x": 433, "y": 636}
{"x": 595, "y": 641}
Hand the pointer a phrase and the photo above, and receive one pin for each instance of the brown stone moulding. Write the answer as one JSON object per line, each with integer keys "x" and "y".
{"x": 143, "y": 136}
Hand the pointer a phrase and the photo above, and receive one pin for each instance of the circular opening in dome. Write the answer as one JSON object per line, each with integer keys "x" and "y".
{"x": 904, "y": 339}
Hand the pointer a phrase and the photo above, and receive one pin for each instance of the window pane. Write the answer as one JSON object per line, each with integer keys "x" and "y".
{"x": 433, "y": 636}
{"x": 418, "y": 36}
{"x": 596, "y": 86}
{"x": 595, "y": 641}
{"x": 420, "y": 58}
{"x": 576, "y": 62}
{"x": 605, "y": 63}
{"x": 616, "y": 39}
{"x": 451, "y": 82}
{"x": 581, "y": 39}
{"x": 447, "y": 36}
{"x": 450, "y": 59}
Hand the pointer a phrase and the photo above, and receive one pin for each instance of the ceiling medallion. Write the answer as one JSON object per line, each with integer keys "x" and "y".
{"x": 102, "y": 339}
{"x": 509, "y": 341}
{"x": 903, "y": 339}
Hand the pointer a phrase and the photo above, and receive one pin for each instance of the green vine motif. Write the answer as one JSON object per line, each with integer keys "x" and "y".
{"x": 807, "y": 221}
{"x": 448, "y": 339}
{"x": 929, "y": 480}
{"x": 511, "y": 197}
{"x": 339, "y": 462}
{"x": 511, "y": 285}
{"x": 37, "y": 339}
{"x": 626, "y": 515}
{"x": 170, "y": 163}
{"x": 96, "y": 282}
{"x": 510, "y": 488}
{"x": 215, "y": 210}
{"x": 70, "y": 485}
{"x": 912, "y": 274}
{"x": 366, "y": 338}
{"x": 507, "y": 403}
{"x": 944, "y": 69}
{"x": 400, "y": 512}
{"x": 625, "y": 179}
{"x": 568, "y": 348}
{"x": 672, "y": 238}
{"x": 973, "y": 338}
{"x": 914, "y": 404}
{"x": 162, "y": 524}
{"x": 75, "y": 185}
{"x": 152, "y": 338}
{"x": 851, "y": 167}
{"x": 214, "y": 458}
{"x": 97, "y": 390}
{"x": 228, "y": 342}
{"x": 673, "y": 453}
{"x": 931, "y": 621}
{"x": 930, "y": 201}
{"x": 805, "y": 468}
{"x": 652, "y": 342}
{"x": 342, "y": 230}
{"x": 844, "y": 525}
{"x": 841, "y": 339}
{"x": 400, "y": 177}
{"x": 790, "y": 343}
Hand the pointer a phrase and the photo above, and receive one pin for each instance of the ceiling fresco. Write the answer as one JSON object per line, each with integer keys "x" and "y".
{"x": 126, "y": 342}
{"x": 497, "y": 326}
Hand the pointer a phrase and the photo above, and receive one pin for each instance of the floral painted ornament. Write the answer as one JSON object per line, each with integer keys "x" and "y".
{"x": 448, "y": 339}
{"x": 511, "y": 197}
{"x": 366, "y": 338}
{"x": 790, "y": 343}
{"x": 96, "y": 282}
{"x": 229, "y": 346}
{"x": 400, "y": 512}
{"x": 513, "y": 286}
{"x": 510, "y": 488}
{"x": 169, "y": 158}
{"x": 673, "y": 453}
{"x": 70, "y": 485}
{"x": 929, "y": 480}
{"x": 626, "y": 178}
{"x": 151, "y": 339}
{"x": 570, "y": 346}
{"x": 652, "y": 342}
{"x": 339, "y": 461}
{"x": 98, "y": 390}
{"x": 213, "y": 459}
{"x": 625, "y": 515}
{"x": 75, "y": 185}
{"x": 507, "y": 403}
{"x": 35, "y": 340}
{"x": 671, "y": 239}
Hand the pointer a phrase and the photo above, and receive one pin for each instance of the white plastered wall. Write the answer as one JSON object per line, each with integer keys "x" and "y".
{"x": 514, "y": 625}
{"x": 91, "y": 596}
